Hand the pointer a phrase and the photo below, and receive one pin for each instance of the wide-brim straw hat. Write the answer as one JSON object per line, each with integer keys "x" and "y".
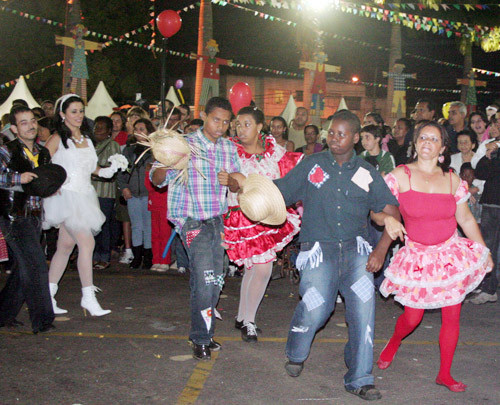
{"x": 261, "y": 201}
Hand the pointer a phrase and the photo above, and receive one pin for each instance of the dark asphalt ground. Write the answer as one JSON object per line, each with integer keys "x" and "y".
{"x": 139, "y": 353}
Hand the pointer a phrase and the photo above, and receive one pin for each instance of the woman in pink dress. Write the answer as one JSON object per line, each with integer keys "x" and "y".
{"x": 436, "y": 268}
{"x": 253, "y": 244}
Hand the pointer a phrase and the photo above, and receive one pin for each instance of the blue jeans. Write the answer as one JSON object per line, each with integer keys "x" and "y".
{"x": 103, "y": 240}
{"x": 342, "y": 268}
{"x": 140, "y": 220}
{"x": 29, "y": 280}
{"x": 202, "y": 240}
{"x": 490, "y": 228}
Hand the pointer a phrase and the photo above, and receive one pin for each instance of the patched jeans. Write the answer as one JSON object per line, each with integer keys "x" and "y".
{"x": 202, "y": 240}
{"x": 340, "y": 268}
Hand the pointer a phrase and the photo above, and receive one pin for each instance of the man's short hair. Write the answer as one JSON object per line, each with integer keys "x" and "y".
{"x": 218, "y": 102}
{"x": 461, "y": 107}
{"x": 20, "y": 101}
{"x": 17, "y": 109}
{"x": 351, "y": 118}
{"x": 431, "y": 105}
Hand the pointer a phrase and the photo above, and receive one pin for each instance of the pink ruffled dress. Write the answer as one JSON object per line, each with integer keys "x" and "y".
{"x": 436, "y": 268}
{"x": 249, "y": 242}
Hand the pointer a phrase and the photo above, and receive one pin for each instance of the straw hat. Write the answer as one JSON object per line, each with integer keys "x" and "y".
{"x": 261, "y": 201}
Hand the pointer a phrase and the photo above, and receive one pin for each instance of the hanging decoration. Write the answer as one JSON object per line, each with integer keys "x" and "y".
{"x": 211, "y": 73}
{"x": 471, "y": 83}
{"x": 319, "y": 68}
{"x": 79, "y": 73}
{"x": 398, "y": 102}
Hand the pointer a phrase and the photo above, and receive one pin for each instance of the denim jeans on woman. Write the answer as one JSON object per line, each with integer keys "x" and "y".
{"x": 203, "y": 242}
{"x": 140, "y": 220}
{"x": 342, "y": 269}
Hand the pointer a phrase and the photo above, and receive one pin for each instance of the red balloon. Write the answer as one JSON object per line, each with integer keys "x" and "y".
{"x": 240, "y": 96}
{"x": 169, "y": 23}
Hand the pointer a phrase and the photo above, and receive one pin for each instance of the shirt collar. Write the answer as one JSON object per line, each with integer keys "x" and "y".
{"x": 350, "y": 164}
{"x": 204, "y": 140}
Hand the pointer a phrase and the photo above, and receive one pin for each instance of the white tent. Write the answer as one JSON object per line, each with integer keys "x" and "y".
{"x": 101, "y": 103}
{"x": 173, "y": 97}
{"x": 289, "y": 112}
{"x": 20, "y": 91}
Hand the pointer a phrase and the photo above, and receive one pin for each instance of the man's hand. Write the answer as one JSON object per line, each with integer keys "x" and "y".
{"x": 27, "y": 177}
{"x": 230, "y": 180}
{"x": 223, "y": 178}
{"x": 375, "y": 260}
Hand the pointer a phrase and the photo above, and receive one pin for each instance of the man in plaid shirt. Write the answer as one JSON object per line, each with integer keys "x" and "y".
{"x": 196, "y": 209}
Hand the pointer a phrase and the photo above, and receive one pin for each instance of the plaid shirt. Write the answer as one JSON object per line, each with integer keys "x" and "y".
{"x": 9, "y": 178}
{"x": 201, "y": 198}
{"x": 400, "y": 80}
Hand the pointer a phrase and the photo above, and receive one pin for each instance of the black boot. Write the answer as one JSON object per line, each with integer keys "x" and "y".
{"x": 137, "y": 261}
{"x": 148, "y": 259}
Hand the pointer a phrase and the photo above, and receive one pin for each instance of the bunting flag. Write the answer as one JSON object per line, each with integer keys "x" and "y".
{"x": 28, "y": 76}
{"x": 435, "y": 25}
{"x": 440, "y": 7}
{"x": 186, "y": 55}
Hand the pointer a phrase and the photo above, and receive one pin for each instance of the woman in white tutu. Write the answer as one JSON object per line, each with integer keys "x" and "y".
{"x": 74, "y": 209}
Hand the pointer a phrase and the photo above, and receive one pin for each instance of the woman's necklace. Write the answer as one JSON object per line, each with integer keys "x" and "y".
{"x": 78, "y": 142}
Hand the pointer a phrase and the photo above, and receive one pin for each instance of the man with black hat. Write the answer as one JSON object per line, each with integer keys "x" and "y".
{"x": 20, "y": 222}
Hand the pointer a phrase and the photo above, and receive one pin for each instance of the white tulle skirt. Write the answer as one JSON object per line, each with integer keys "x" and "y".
{"x": 77, "y": 211}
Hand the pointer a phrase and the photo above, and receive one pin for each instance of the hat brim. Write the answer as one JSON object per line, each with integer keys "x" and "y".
{"x": 261, "y": 201}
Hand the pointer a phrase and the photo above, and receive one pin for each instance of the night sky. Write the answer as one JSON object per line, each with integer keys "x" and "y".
{"x": 254, "y": 41}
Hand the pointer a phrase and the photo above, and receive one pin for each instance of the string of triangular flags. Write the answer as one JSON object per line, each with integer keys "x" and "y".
{"x": 440, "y": 7}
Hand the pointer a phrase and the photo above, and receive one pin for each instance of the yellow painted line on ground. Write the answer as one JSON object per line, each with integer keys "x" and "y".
{"x": 196, "y": 381}
{"x": 225, "y": 338}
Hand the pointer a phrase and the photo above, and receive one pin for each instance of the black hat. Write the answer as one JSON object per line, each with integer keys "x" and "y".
{"x": 50, "y": 178}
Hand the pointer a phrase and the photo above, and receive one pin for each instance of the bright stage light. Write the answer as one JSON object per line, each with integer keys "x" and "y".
{"x": 320, "y": 5}
{"x": 355, "y": 79}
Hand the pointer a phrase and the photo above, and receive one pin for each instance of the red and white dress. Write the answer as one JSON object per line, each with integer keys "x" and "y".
{"x": 249, "y": 242}
{"x": 436, "y": 268}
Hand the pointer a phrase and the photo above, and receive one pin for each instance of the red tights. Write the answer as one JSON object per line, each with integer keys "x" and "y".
{"x": 448, "y": 336}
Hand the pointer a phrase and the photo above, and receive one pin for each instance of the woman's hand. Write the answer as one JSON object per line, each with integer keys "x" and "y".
{"x": 489, "y": 263}
{"x": 394, "y": 228}
{"x": 127, "y": 194}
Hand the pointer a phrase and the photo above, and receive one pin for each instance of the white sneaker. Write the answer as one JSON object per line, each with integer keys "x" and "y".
{"x": 181, "y": 270}
{"x": 163, "y": 268}
{"x": 127, "y": 257}
{"x": 155, "y": 267}
{"x": 483, "y": 298}
{"x": 339, "y": 299}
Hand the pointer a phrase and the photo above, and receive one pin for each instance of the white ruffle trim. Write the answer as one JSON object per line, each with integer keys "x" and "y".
{"x": 270, "y": 254}
{"x": 441, "y": 283}
{"x": 463, "y": 199}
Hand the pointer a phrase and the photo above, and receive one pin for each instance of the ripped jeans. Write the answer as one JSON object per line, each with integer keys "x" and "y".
{"x": 202, "y": 240}
{"x": 339, "y": 268}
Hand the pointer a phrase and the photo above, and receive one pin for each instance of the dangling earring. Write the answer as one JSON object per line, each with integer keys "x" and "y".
{"x": 415, "y": 155}
{"x": 63, "y": 118}
{"x": 441, "y": 159}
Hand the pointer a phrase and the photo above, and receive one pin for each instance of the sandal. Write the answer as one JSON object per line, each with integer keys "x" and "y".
{"x": 101, "y": 265}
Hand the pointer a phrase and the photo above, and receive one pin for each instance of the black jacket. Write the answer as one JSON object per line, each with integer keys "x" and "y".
{"x": 489, "y": 170}
{"x": 14, "y": 202}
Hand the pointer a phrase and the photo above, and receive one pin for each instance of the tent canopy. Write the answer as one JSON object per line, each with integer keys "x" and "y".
{"x": 20, "y": 91}
{"x": 101, "y": 103}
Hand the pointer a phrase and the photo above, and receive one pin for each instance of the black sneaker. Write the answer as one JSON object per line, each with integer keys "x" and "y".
{"x": 201, "y": 352}
{"x": 294, "y": 368}
{"x": 249, "y": 332}
{"x": 213, "y": 346}
{"x": 366, "y": 392}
